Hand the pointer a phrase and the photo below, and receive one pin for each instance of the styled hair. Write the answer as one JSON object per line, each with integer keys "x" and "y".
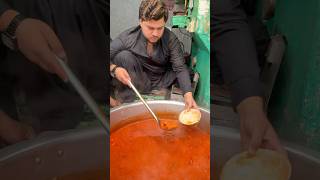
{"x": 152, "y": 10}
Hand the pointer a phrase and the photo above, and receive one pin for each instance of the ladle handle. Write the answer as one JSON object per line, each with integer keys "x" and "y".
{"x": 84, "y": 94}
{"x": 144, "y": 102}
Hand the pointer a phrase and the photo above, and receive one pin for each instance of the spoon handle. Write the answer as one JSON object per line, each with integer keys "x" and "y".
{"x": 144, "y": 102}
{"x": 85, "y": 95}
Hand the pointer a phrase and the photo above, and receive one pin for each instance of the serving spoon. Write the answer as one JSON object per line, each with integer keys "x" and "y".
{"x": 83, "y": 92}
{"x": 163, "y": 125}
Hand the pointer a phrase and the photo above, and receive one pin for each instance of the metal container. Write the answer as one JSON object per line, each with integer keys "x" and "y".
{"x": 305, "y": 163}
{"x": 55, "y": 154}
{"x": 171, "y": 109}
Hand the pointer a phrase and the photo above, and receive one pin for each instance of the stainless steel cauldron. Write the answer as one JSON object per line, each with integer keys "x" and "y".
{"x": 124, "y": 114}
{"x": 73, "y": 151}
{"x": 55, "y": 154}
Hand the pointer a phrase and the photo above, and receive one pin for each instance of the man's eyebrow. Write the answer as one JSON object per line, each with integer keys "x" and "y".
{"x": 155, "y": 27}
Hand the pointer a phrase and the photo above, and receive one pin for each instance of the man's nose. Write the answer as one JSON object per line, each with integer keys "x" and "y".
{"x": 156, "y": 33}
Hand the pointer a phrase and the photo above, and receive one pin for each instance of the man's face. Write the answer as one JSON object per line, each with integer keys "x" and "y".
{"x": 152, "y": 29}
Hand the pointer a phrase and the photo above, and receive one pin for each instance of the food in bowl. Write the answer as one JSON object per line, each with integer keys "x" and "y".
{"x": 264, "y": 165}
{"x": 190, "y": 117}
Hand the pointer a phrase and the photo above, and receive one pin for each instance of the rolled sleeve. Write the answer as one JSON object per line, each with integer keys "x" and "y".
{"x": 115, "y": 47}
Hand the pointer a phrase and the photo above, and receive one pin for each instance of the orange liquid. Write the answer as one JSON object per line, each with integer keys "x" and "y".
{"x": 143, "y": 151}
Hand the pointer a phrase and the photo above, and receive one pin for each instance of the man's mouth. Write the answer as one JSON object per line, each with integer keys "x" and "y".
{"x": 154, "y": 38}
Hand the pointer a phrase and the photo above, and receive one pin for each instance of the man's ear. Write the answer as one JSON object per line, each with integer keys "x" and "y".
{"x": 140, "y": 22}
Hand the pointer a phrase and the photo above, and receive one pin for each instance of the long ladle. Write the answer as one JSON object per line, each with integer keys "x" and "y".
{"x": 188, "y": 118}
{"x": 83, "y": 92}
{"x": 163, "y": 125}
{"x": 145, "y": 103}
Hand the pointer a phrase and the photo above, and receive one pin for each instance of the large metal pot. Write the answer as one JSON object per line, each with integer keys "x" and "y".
{"x": 61, "y": 153}
{"x": 55, "y": 154}
{"x": 305, "y": 163}
{"x": 171, "y": 109}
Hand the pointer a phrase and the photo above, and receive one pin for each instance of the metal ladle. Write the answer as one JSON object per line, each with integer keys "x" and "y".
{"x": 83, "y": 92}
{"x": 145, "y": 103}
{"x": 163, "y": 125}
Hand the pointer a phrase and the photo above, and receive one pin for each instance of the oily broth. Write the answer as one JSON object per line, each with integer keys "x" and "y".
{"x": 142, "y": 150}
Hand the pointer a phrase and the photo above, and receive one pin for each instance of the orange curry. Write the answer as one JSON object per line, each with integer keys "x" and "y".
{"x": 143, "y": 151}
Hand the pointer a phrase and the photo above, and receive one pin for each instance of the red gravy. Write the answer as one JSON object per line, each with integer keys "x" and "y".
{"x": 142, "y": 151}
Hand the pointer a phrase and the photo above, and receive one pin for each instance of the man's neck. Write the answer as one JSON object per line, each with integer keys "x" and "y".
{"x": 149, "y": 48}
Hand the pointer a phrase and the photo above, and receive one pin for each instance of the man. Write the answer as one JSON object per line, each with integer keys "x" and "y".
{"x": 150, "y": 56}
{"x": 235, "y": 55}
{"x": 113, "y": 102}
{"x": 33, "y": 33}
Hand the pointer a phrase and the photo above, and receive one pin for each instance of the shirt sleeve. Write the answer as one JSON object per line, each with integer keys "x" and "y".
{"x": 3, "y": 7}
{"x": 178, "y": 64}
{"x": 244, "y": 88}
{"x": 116, "y": 46}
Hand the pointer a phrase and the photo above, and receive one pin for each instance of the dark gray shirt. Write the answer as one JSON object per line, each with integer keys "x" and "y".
{"x": 3, "y": 7}
{"x": 226, "y": 14}
{"x": 167, "y": 53}
{"x": 234, "y": 51}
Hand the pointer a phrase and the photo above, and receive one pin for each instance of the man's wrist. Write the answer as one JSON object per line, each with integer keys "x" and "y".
{"x": 249, "y": 105}
{"x": 6, "y": 18}
{"x": 187, "y": 93}
{"x": 112, "y": 66}
{"x": 8, "y": 36}
{"x": 113, "y": 70}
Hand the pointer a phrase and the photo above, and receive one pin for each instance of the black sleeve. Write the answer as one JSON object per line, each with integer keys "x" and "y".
{"x": 178, "y": 64}
{"x": 235, "y": 53}
{"x": 249, "y": 6}
{"x": 234, "y": 50}
{"x": 3, "y": 7}
{"x": 116, "y": 46}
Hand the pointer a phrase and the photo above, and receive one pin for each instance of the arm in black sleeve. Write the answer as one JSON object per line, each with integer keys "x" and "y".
{"x": 3, "y": 7}
{"x": 116, "y": 46}
{"x": 249, "y": 6}
{"x": 178, "y": 64}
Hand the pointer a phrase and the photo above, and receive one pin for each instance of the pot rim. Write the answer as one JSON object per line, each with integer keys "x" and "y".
{"x": 232, "y": 133}
{"x": 170, "y": 102}
{"x": 49, "y": 138}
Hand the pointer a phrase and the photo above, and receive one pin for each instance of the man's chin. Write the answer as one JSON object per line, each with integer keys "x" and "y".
{"x": 153, "y": 41}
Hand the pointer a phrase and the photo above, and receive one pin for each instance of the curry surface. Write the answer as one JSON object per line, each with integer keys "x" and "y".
{"x": 142, "y": 151}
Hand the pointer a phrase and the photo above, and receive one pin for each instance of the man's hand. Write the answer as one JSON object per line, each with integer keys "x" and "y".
{"x": 11, "y": 131}
{"x": 114, "y": 102}
{"x": 189, "y": 101}
{"x": 38, "y": 42}
{"x": 255, "y": 129}
{"x": 271, "y": 140}
{"x": 122, "y": 75}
